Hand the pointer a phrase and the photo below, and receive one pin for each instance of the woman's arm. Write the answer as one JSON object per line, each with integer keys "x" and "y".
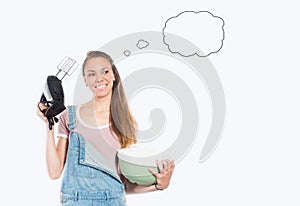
{"x": 163, "y": 177}
{"x": 55, "y": 154}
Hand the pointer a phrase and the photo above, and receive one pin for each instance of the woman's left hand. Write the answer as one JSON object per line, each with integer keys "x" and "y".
{"x": 163, "y": 177}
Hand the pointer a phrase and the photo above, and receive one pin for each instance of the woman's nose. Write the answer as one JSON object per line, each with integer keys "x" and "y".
{"x": 99, "y": 78}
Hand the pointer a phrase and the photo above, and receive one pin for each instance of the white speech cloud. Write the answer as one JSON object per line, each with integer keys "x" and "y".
{"x": 202, "y": 28}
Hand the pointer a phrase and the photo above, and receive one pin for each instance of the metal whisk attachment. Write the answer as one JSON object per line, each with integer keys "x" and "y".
{"x": 67, "y": 66}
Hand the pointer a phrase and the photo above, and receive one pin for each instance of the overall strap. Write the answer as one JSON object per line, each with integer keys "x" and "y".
{"x": 72, "y": 117}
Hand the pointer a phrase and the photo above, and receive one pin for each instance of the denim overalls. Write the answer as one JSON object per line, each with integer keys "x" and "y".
{"x": 85, "y": 182}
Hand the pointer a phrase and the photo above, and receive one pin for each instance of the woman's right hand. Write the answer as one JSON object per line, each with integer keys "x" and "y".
{"x": 40, "y": 107}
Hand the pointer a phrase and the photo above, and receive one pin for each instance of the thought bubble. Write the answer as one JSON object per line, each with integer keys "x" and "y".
{"x": 142, "y": 44}
{"x": 202, "y": 28}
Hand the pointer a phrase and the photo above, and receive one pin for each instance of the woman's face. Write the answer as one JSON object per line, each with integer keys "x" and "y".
{"x": 98, "y": 76}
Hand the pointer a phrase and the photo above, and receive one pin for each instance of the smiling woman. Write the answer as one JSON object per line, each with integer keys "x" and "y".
{"x": 98, "y": 74}
{"x": 90, "y": 135}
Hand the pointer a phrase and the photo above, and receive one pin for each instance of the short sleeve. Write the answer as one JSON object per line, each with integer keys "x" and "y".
{"x": 63, "y": 130}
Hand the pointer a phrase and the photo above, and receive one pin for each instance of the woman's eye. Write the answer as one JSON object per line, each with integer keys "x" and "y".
{"x": 105, "y": 72}
{"x": 91, "y": 75}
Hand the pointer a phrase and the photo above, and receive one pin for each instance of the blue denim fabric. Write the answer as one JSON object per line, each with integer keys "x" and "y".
{"x": 85, "y": 183}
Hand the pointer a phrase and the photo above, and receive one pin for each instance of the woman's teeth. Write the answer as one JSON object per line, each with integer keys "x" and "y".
{"x": 101, "y": 86}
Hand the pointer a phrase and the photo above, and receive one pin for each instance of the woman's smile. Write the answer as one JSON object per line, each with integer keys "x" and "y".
{"x": 101, "y": 87}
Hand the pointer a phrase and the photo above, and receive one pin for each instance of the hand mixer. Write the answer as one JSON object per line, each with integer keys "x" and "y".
{"x": 53, "y": 94}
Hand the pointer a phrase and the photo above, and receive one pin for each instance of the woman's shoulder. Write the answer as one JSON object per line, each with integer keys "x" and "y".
{"x": 64, "y": 115}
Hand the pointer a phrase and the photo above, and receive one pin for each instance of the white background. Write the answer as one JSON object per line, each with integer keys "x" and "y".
{"x": 257, "y": 160}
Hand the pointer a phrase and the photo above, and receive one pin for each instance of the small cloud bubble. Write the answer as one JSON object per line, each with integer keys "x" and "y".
{"x": 142, "y": 44}
{"x": 127, "y": 53}
{"x": 202, "y": 28}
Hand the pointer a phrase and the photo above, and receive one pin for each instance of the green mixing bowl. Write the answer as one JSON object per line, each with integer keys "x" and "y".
{"x": 138, "y": 174}
{"x": 134, "y": 168}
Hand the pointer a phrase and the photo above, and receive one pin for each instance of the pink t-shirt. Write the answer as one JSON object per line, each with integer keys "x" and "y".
{"x": 101, "y": 138}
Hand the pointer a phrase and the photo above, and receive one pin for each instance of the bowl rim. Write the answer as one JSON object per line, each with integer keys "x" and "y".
{"x": 139, "y": 161}
{"x": 149, "y": 160}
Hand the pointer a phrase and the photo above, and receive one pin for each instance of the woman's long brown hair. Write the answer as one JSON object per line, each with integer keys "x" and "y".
{"x": 121, "y": 120}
